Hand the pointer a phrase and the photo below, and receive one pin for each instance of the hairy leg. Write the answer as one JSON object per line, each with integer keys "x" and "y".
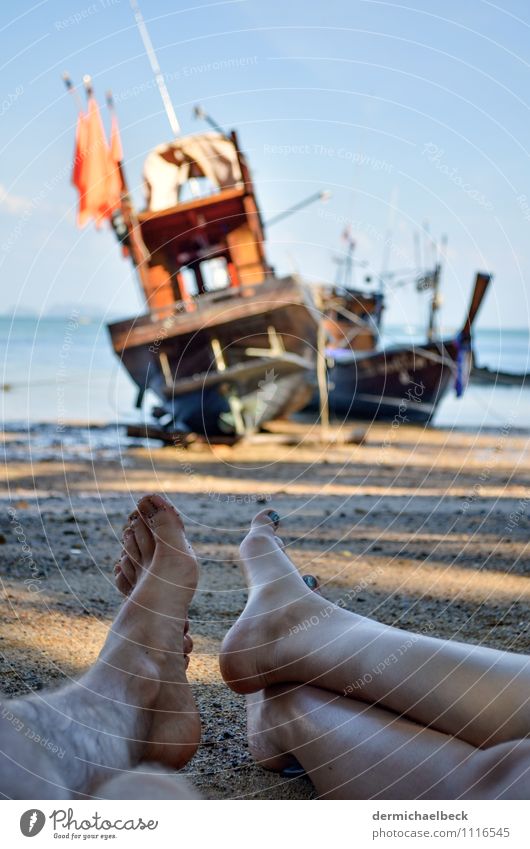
{"x": 287, "y": 633}
{"x": 101, "y": 724}
{"x": 351, "y": 750}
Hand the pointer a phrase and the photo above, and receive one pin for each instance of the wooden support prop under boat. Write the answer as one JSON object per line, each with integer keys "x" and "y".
{"x": 322, "y": 380}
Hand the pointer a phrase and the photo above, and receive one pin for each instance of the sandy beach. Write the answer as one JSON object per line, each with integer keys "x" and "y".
{"x": 423, "y": 529}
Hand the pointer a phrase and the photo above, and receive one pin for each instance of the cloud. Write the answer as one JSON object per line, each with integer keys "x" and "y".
{"x": 14, "y": 204}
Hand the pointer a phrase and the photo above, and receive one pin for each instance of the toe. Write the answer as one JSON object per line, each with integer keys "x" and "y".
{"x": 261, "y": 538}
{"x": 164, "y": 521}
{"x": 143, "y": 539}
{"x": 187, "y": 644}
{"x": 128, "y": 569}
{"x": 122, "y": 584}
{"x": 130, "y": 546}
{"x": 266, "y": 518}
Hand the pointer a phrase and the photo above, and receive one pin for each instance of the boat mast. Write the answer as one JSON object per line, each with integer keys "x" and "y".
{"x": 159, "y": 77}
{"x": 436, "y": 300}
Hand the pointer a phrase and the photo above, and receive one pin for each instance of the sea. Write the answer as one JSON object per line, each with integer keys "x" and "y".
{"x": 63, "y": 370}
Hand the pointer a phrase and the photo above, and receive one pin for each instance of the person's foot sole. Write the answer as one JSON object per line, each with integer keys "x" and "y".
{"x": 154, "y": 542}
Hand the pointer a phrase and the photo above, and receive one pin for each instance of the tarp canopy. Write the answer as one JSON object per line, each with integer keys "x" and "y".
{"x": 170, "y": 166}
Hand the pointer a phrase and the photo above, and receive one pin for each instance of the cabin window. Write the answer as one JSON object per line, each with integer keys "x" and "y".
{"x": 215, "y": 274}
{"x": 196, "y": 187}
{"x": 190, "y": 283}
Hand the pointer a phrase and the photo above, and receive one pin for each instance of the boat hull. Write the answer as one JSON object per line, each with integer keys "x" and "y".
{"x": 232, "y": 363}
{"x": 407, "y": 382}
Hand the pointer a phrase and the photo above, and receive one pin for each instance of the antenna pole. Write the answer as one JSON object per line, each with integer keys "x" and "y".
{"x": 159, "y": 77}
{"x": 323, "y": 196}
{"x": 200, "y": 114}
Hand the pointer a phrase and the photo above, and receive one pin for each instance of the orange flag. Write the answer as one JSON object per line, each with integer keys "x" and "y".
{"x": 95, "y": 174}
{"x": 116, "y": 156}
{"x": 78, "y": 169}
{"x": 116, "y": 149}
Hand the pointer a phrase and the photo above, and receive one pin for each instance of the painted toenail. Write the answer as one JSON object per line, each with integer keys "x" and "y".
{"x": 274, "y": 517}
{"x": 292, "y": 772}
{"x": 311, "y": 581}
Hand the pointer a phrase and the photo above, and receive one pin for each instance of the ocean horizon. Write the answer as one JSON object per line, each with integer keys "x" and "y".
{"x": 63, "y": 369}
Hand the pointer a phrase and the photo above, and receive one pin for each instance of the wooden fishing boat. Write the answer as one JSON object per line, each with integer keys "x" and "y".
{"x": 405, "y": 381}
{"x": 224, "y": 345}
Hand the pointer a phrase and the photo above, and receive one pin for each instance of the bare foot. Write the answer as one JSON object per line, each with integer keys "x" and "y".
{"x": 125, "y": 572}
{"x": 155, "y": 545}
{"x": 262, "y": 647}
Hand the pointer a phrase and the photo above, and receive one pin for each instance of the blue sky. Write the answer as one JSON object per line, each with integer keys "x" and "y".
{"x": 408, "y": 112}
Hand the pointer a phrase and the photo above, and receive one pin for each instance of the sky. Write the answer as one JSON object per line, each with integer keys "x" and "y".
{"x": 414, "y": 115}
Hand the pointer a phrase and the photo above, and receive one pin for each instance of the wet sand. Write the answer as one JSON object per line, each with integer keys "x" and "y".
{"x": 422, "y": 529}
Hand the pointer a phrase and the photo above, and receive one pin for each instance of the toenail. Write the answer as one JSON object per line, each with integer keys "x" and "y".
{"x": 311, "y": 581}
{"x": 274, "y": 517}
{"x": 292, "y": 772}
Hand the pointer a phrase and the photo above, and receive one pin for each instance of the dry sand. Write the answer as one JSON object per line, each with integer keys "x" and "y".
{"x": 430, "y": 529}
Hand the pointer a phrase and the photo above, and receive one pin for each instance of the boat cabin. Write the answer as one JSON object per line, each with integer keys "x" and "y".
{"x": 202, "y": 226}
{"x": 352, "y": 318}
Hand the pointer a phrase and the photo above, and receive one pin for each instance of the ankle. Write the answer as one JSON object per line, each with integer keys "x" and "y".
{"x": 132, "y": 677}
